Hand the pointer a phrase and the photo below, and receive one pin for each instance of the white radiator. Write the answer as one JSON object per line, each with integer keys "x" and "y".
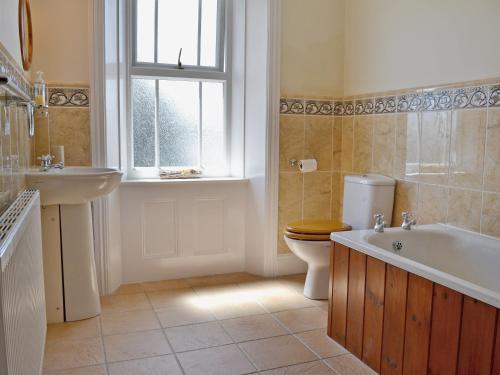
{"x": 22, "y": 307}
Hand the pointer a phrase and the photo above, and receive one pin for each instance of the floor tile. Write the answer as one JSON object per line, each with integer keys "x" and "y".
{"x": 349, "y": 365}
{"x": 92, "y": 370}
{"x": 81, "y": 329}
{"x": 197, "y": 336}
{"x": 153, "y": 286}
{"x": 129, "y": 289}
{"x": 125, "y": 302}
{"x": 286, "y": 300}
{"x": 295, "y": 282}
{"x": 183, "y": 315}
{"x": 321, "y": 344}
{"x": 135, "y": 345}
{"x": 168, "y": 298}
{"x": 222, "y": 360}
{"x": 310, "y": 368}
{"x": 303, "y": 319}
{"x": 228, "y": 278}
{"x": 64, "y": 354}
{"x": 165, "y": 365}
{"x": 129, "y": 321}
{"x": 277, "y": 352}
{"x": 253, "y": 327}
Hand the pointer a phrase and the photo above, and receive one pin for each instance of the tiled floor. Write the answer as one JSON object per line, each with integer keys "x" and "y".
{"x": 221, "y": 325}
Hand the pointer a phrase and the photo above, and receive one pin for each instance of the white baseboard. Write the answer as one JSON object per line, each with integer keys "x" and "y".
{"x": 289, "y": 264}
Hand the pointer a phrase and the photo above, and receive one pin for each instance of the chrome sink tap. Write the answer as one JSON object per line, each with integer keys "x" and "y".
{"x": 46, "y": 162}
{"x": 379, "y": 223}
{"x": 408, "y": 222}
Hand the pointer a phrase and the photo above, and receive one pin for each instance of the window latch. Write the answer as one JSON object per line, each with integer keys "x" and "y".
{"x": 179, "y": 62}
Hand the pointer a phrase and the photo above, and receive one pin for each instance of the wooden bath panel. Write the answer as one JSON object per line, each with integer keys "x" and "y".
{"x": 400, "y": 323}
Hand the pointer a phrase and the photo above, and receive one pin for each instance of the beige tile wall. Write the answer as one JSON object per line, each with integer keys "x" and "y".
{"x": 68, "y": 126}
{"x": 310, "y": 195}
{"x": 447, "y": 164}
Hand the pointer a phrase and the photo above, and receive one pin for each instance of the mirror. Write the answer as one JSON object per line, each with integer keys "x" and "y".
{"x": 25, "y": 33}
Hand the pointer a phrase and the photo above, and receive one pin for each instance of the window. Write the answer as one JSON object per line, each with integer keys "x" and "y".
{"x": 179, "y": 79}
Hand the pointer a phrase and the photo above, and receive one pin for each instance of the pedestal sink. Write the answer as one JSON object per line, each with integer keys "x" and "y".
{"x": 69, "y": 265}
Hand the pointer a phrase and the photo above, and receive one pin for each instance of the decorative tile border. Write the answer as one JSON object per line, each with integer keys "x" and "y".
{"x": 68, "y": 97}
{"x": 17, "y": 80}
{"x": 467, "y": 97}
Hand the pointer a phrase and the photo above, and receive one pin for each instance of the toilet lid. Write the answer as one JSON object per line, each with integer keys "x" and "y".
{"x": 309, "y": 226}
{"x": 307, "y": 237}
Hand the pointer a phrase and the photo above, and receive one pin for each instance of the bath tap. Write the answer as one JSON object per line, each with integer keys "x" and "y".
{"x": 407, "y": 221}
{"x": 379, "y": 223}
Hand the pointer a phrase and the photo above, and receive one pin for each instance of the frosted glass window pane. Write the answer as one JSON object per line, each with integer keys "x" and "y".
{"x": 208, "y": 32}
{"x": 143, "y": 117}
{"x": 178, "y": 28}
{"x": 178, "y": 123}
{"x": 145, "y": 31}
{"x": 213, "y": 146}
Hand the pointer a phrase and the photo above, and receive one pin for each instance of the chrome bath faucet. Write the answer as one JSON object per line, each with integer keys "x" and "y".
{"x": 408, "y": 222}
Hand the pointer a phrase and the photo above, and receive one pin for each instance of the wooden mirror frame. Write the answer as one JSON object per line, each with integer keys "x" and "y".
{"x": 26, "y": 45}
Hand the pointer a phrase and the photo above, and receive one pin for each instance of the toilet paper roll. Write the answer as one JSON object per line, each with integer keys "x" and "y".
{"x": 308, "y": 165}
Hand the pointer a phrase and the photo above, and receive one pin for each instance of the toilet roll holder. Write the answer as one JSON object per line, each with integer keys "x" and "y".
{"x": 293, "y": 162}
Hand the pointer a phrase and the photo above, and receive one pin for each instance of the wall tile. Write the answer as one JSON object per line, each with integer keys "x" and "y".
{"x": 318, "y": 140}
{"x": 405, "y": 199}
{"x": 406, "y": 158}
{"x": 336, "y": 143}
{"x": 291, "y": 140}
{"x": 362, "y": 144}
{"x": 492, "y": 155}
{"x": 491, "y": 214}
{"x": 384, "y": 143}
{"x": 467, "y": 148}
{"x": 435, "y": 147}
{"x": 70, "y": 127}
{"x": 290, "y": 204}
{"x": 337, "y": 182}
{"x": 347, "y": 144}
{"x": 464, "y": 209}
{"x": 432, "y": 204}
{"x": 317, "y": 195}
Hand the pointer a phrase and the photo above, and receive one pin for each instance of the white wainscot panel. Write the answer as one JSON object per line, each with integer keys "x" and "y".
{"x": 175, "y": 230}
{"x": 159, "y": 229}
{"x": 209, "y": 226}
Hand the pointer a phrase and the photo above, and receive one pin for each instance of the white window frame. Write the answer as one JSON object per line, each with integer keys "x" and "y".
{"x": 222, "y": 72}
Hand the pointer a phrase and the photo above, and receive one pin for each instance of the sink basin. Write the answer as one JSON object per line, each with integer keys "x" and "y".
{"x": 73, "y": 185}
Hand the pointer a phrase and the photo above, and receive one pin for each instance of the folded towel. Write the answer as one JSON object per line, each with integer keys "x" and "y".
{"x": 179, "y": 173}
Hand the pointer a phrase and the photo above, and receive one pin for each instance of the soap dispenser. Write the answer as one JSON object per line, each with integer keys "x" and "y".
{"x": 40, "y": 91}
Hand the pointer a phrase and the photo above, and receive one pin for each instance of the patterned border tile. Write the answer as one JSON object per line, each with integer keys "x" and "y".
{"x": 291, "y": 106}
{"x": 470, "y": 97}
{"x": 466, "y": 97}
{"x": 17, "y": 80}
{"x": 348, "y": 108}
{"x": 409, "y": 102}
{"x": 437, "y": 100}
{"x": 338, "y": 108}
{"x": 385, "y": 105}
{"x": 363, "y": 106}
{"x": 494, "y": 96}
{"x": 68, "y": 97}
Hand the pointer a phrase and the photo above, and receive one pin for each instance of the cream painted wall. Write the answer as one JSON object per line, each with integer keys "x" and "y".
{"x": 61, "y": 40}
{"x": 9, "y": 32}
{"x": 394, "y": 44}
{"x": 312, "y": 48}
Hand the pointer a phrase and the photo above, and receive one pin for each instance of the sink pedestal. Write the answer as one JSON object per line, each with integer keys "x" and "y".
{"x": 68, "y": 246}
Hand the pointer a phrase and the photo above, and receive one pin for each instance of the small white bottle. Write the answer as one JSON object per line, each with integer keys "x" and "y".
{"x": 40, "y": 90}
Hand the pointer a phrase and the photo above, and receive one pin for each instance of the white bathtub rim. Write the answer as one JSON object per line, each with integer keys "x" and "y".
{"x": 453, "y": 282}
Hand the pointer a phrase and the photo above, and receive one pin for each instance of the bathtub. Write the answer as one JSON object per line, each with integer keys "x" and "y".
{"x": 464, "y": 261}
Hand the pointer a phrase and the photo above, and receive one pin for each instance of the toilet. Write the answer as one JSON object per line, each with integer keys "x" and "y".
{"x": 364, "y": 196}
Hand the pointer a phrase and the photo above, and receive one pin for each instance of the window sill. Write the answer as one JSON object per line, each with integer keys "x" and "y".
{"x": 203, "y": 180}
